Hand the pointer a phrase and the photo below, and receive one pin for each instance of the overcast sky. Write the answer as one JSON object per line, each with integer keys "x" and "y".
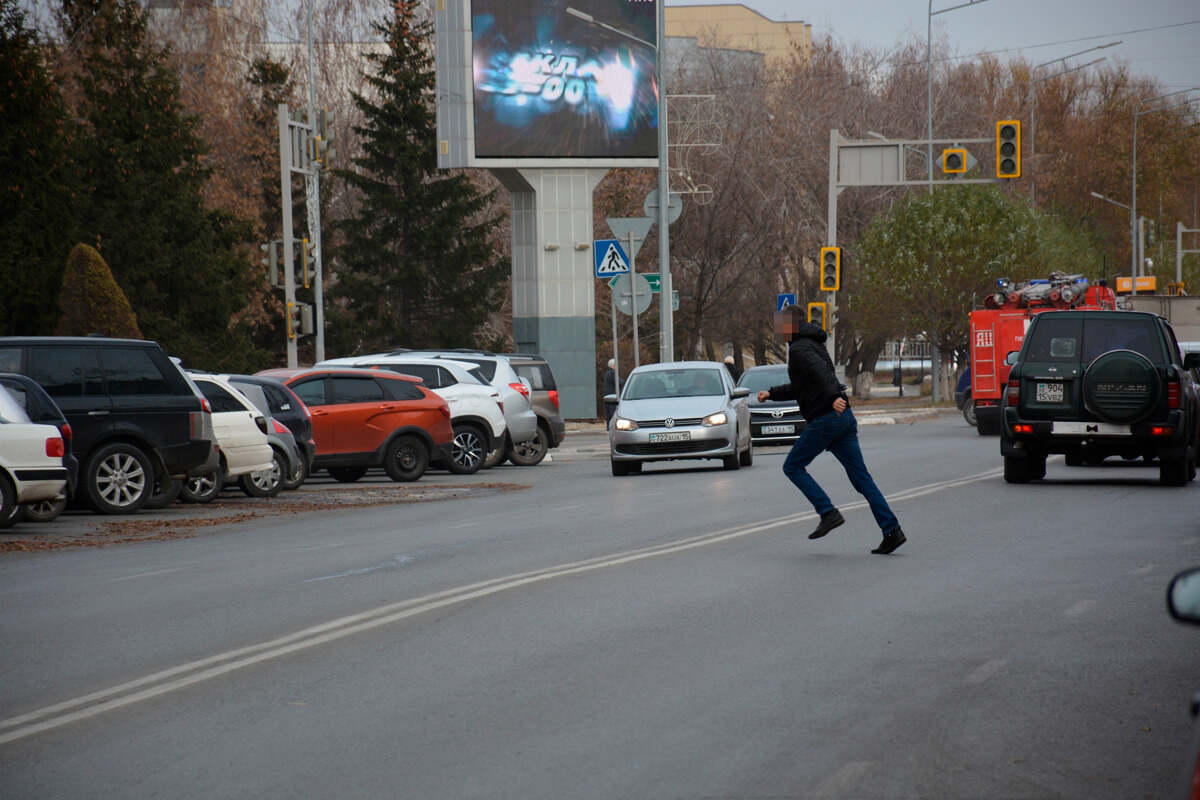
{"x": 1170, "y": 54}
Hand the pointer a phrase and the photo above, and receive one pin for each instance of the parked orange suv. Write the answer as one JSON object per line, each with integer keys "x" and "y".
{"x": 365, "y": 418}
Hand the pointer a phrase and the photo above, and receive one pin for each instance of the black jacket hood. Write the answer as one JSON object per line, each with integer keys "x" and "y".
{"x": 807, "y": 330}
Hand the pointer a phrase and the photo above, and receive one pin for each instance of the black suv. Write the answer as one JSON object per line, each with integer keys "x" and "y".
{"x": 1093, "y": 384}
{"x": 136, "y": 419}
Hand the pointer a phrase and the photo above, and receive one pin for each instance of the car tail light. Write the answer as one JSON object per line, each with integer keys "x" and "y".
{"x": 261, "y": 422}
{"x": 520, "y": 387}
{"x": 985, "y": 403}
{"x": 554, "y": 397}
{"x": 1022, "y": 428}
{"x": 1014, "y": 392}
{"x": 1172, "y": 394}
{"x": 67, "y": 433}
{"x": 445, "y": 409}
{"x": 1161, "y": 430}
{"x": 54, "y": 447}
{"x": 204, "y": 405}
{"x": 279, "y": 426}
{"x": 195, "y": 424}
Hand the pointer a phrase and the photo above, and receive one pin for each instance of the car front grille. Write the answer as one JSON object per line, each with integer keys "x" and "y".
{"x": 662, "y": 423}
{"x": 672, "y": 448}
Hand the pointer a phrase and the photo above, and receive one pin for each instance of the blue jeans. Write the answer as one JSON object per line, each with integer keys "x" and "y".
{"x": 837, "y": 433}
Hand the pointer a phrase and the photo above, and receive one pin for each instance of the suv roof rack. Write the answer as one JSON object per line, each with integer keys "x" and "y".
{"x": 525, "y": 355}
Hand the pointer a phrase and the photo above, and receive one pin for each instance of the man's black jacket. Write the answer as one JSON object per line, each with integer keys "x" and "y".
{"x": 812, "y": 380}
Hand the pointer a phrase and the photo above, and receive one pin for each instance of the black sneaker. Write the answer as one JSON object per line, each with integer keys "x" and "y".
{"x": 828, "y": 522}
{"x": 890, "y": 542}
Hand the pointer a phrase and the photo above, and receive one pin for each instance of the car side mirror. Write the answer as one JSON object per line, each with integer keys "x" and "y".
{"x": 1011, "y": 357}
{"x": 1191, "y": 361}
{"x": 1183, "y": 596}
{"x": 739, "y": 391}
{"x": 610, "y": 398}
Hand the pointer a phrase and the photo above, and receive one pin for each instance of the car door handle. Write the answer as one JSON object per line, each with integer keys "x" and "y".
{"x": 387, "y": 408}
{"x": 318, "y": 413}
{"x": 97, "y": 413}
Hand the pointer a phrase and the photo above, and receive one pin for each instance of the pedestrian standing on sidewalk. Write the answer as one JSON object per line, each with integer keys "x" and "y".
{"x": 611, "y": 386}
{"x": 813, "y": 384}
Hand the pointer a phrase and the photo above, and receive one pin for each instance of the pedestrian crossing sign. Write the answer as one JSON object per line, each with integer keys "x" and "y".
{"x": 610, "y": 258}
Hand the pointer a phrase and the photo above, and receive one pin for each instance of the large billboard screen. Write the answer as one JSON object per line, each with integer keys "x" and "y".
{"x": 564, "y": 79}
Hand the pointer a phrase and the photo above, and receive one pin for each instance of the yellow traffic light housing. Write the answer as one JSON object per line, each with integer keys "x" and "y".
{"x": 831, "y": 269}
{"x": 292, "y": 317}
{"x": 954, "y": 160}
{"x": 818, "y": 314}
{"x": 1008, "y": 148}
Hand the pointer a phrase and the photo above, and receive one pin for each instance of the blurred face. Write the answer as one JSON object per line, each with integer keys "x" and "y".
{"x": 785, "y": 323}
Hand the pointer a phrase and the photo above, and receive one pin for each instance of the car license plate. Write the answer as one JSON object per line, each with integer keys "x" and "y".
{"x": 675, "y": 436}
{"x": 1090, "y": 429}
{"x": 772, "y": 429}
{"x": 1050, "y": 392}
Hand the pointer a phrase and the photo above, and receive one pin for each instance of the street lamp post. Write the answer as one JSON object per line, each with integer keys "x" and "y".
{"x": 1137, "y": 113}
{"x": 929, "y": 79}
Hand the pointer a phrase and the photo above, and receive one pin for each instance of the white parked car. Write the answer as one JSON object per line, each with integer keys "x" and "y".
{"x": 241, "y": 435}
{"x": 31, "y": 460}
{"x": 476, "y": 412}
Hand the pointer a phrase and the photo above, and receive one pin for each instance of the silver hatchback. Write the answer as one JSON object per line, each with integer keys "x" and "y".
{"x": 681, "y": 410}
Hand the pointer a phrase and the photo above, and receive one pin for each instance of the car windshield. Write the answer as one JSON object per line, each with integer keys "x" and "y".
{"x": 757, "y": 380}
{"x": 693, "y": 382}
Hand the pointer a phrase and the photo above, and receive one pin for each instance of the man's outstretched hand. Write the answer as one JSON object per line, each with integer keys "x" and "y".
{"x": 763, "y": 395}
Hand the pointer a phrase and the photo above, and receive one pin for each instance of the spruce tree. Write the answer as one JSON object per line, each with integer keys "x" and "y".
{"x": 39, "y": 191}
{"x": 416, "y": 266}
{"x": 91, "y": 301}
{"x": 186, "y": 268}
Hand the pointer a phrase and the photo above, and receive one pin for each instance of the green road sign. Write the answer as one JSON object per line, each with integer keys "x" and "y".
{"x": 654, "y": 278}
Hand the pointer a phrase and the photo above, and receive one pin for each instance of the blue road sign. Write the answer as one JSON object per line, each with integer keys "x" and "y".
{"x": 609, "y": 258}
{"x": 784, "y": 300}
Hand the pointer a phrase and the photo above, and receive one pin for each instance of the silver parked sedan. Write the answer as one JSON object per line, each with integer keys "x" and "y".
{"x": 681, "y": 410}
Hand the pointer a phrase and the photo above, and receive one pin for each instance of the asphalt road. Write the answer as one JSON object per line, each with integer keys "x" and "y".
{"x": 668, "y": 635}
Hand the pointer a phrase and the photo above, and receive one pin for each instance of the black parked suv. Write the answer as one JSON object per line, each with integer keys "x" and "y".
{"x": 1093, "y": 384}
{"x": 137, "y": 421}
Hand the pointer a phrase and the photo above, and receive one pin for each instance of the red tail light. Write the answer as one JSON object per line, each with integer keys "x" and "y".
{"x": 54, "y": 447}
{"x": 279, "y": 426}
{"x": 554, "y": 397}
{"x": 1022, "y": 428}
{"x": 520, "y": 387}
{"x": 195, "y": 424}
{"x": 445, "y": 409}
{"x": 67, "y": 433}
{"x": 1161, "y": 430}
{"x": 1014, "y": 392}
{"x": 1172, "y": 394}
{"x": 204, "y": 405}
{"x": 501, "y": 404}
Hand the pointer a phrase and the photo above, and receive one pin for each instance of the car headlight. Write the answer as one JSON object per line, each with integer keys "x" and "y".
{"x": 623, "y": 424}
{"x": 718, "y": 418}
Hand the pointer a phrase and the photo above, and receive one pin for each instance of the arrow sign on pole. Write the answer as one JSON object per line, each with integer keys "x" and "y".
{"x": 623, "y": 227}
{"x": 653, "y": 278}
{"x": 609, "y": 258}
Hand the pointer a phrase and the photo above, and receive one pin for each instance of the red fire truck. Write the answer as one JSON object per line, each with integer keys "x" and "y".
{"x": 999, "y": 329}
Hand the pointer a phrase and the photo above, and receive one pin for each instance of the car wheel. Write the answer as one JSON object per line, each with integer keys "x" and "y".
{"x": 118, "y": 479}
{"x": 1021, "y": 470}
{"x": 298, "y": 477}
{"x": 45, "y": 511}
{"x": 497, "y": 455}
{"x": 467, "y": 451}
{"x": 969, "y": 411}
{"x": 620, "y": 468}
{"x": 747, "y": 457}
{"x": 530, "y": 453}
{"x": 202, "y": 488}
{"x": 265, "y": 482}
{"x": 164, "y": 494}
{"x": 406, "y": 458}
{"x": 10, "y": 512}
{"x": 346, "y": 474}
{"x": 1173, "y": 471}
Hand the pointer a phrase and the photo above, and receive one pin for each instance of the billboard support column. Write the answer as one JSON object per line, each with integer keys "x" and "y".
{"x": 667, "y": 311}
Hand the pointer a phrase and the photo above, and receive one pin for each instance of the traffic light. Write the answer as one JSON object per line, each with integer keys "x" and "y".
{"x": 1008, "y": 148}
{"x": 831, "y": 269}
{"x": 307, "y": 259}
{"x": 322, "y": 136}
{"x": 954, "y": 160}
{"x": 292, "y": 318}
{"x": 818, "y": 315}
{"x": 271, "y": 261}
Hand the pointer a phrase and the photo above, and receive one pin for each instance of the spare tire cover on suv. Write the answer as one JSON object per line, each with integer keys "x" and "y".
{"x": 1121, "y": 386}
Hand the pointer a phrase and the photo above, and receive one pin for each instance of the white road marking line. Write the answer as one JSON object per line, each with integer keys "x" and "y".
{"x": 844, "y": 780}
{"x": 1143, "y": 570}
{"x": 987, "y": 670}
{"x": 568, "y": 508}
{"x": 310, "y": 549}
{"x": 144, "y": 574}
{"x": 464, "y": 525}
{"x": 399, "y": 560}
{"x": 204, "y": 669}
{"x": 1082, "y": 607}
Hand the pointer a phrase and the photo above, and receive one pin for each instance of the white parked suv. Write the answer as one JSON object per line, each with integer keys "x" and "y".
{"x": 31, "y": 467}
{"x": 476, "y": 413}
{"x": 241, "y": 435}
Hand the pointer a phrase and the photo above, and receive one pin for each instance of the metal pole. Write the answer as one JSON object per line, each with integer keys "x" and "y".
{"x": 616, "y": 349}
{"x": 289, "y": 265}
{"x": 1178, "y": 253}
{"x": 1141, "y": 249}
{"x": 1133, "y": 244}
{"x": 313, "y": 203}
{"x": 929, "y": 94}
{"x": 831, "y": 235}
{"x": 667, "y": 312}
{"x": 633, "y": 296}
